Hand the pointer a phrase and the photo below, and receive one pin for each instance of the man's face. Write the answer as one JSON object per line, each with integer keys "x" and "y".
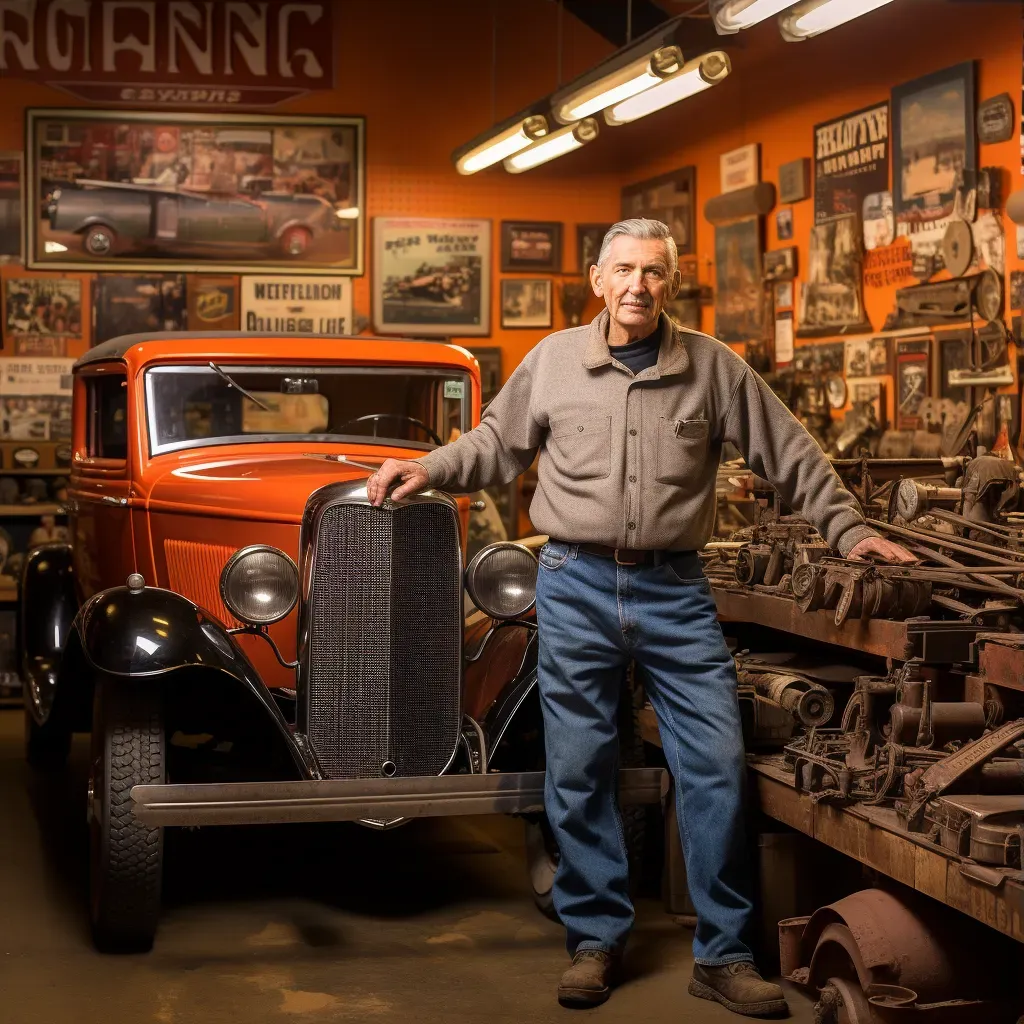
{"x": 635, "y": 282}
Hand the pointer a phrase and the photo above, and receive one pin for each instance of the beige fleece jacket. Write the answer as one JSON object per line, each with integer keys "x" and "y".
{"x": 631, "y": 461}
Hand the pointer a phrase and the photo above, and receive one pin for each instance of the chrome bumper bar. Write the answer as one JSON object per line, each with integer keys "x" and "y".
{"x": 272, "y": 803}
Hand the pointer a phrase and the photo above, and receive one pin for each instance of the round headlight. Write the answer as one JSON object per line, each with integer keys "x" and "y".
{"x": 502, "y": 580}
{"x": 260, "y": 585}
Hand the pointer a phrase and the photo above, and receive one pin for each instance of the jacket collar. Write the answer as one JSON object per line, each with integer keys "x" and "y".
{"x": 672, "y": 356}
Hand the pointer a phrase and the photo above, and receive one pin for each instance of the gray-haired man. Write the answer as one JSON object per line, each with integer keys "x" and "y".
{"x": 629, "y": 415}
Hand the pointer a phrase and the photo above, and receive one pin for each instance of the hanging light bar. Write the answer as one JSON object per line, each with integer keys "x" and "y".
{"x": 816, "y": 16}
{"x": 501, "y": 144}
{"x": 732, "y": 16}
{"x": 695, "y": 76}
{"x": 565, "y": 140}
{"x": 579, "y": 101}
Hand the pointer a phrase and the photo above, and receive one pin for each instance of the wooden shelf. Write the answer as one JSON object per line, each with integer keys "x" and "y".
{"x": 22, "y": 471}
{"x": 932, "y": 641}
{"x": 39, "y": 509}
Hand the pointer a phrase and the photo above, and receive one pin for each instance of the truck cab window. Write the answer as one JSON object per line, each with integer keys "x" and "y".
{"x": 107, "y": 436}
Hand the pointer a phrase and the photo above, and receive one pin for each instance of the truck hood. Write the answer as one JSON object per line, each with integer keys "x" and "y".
{"x": 267, "y": 487}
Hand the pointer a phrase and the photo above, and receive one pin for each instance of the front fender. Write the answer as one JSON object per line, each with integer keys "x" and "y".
{"x": 149, "y": 634}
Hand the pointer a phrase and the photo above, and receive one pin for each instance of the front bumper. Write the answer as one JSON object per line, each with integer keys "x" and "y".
{"x": 274, "y": 803}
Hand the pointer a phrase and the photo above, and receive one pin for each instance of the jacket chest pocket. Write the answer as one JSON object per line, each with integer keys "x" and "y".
{"x": 682, "y": 450}
{"x": 582, "y": 447}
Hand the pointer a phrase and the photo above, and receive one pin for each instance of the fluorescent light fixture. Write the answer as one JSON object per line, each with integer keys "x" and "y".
{"x": 580, "y": 101}
{"x": 502, "y": 144}
{"x": 695, "y": 76}
{"x": 813, "y": 17}
{"x": 565, "y": 140}
{"x": 733, "y": 15}
{"x": 347, "y": 213}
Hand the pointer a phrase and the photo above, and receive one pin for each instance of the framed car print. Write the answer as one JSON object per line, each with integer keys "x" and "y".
{"x": 220, "y": 193}
{"x": 531, "y": 245}
{"x": 432, "y": 276}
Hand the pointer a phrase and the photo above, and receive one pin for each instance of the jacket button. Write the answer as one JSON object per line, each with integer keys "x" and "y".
{"x": 632, "y": 433}
{"x": 632, "y": 479}
{"x": 630, "y": 526}
{"x": 580, "y": 429}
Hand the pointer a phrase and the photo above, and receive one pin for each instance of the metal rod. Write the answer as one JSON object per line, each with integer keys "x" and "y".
{"x": 939, "y": 539}
{"x": 1004, "y": 532}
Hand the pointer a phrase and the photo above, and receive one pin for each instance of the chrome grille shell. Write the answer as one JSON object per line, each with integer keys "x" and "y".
{"x": 380, "y": 633}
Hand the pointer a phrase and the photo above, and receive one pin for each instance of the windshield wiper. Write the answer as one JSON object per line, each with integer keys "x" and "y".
{"x": 238, "y": 387}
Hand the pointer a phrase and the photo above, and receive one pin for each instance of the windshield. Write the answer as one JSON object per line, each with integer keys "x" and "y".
{"x": 194, "y": 406}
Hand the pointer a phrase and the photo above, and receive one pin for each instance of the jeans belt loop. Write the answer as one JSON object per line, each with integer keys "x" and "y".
{"x": 618, "y": 561}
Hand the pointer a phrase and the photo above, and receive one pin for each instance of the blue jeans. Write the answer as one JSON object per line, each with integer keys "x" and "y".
{"x": 594, "y": 616}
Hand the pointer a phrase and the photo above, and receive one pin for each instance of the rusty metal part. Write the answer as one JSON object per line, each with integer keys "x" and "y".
{"x": 946, "y": 721}
{"x": 776, "y": 565}
{"x": 842, "y": 1001}
{"x": 809, "y": 702}
{"x": 986, "y": 828}
{"x": 1002, "y": 776}
{"x": 910, "y": 499}
{"x": 809, "y": 586}
{"x": 945, "y": 541}
{"x": 940, "y": 776}
{"x": 751, "y": 564}
{"x": 790, "y": 930}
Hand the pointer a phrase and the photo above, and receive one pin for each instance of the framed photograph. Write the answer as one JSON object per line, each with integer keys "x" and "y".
{"x": 133, "y": 303}
{"x": 432, "y": 276}
{"x": 821, "y": 359}
{"x": 297, "y": 305}
{"x": 739, "y": 294}
{"x": 954, "y": 354}
{"x": 531, "y": 245}
{"x": 10, "y": 205}
{"x": 740, "y": 168}
{"x": 685, "y": 310}
{"x": 213, "y": 303}
{"x": 784, "y": 224}
{"x": 870, "y": 396}
{"x": 780, "y": 264}
{"x": 525, "y": 302}
{"x": 857, "y": 357}
{"x": 879, "y": 357}
{"x": 670, "y": 198}
{"x": 831, "y": 300}
{"x": 588, "y": 245}
{"x": 913, "y": 381}
{"x": 227, "y": 193}
{"x": 784, "y": 295}
{"x": 42, "y": 313}
{"x": 934, "y": 144}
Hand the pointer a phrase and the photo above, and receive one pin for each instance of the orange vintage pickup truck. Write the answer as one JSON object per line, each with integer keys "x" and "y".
{"x": 246, "y": 638}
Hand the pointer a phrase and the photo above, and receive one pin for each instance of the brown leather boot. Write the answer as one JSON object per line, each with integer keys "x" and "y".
{"x": 738, "y": 987}
{"x": 590, "y": 979}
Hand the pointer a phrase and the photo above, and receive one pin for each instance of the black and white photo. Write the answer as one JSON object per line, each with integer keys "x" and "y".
{"x": 525, "y": 302}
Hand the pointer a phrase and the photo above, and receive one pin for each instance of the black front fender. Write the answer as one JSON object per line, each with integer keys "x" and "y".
{"x": 150, "y": 634}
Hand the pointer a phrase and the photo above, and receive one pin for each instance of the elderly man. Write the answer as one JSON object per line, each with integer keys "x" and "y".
{"x": 629, "y": 415}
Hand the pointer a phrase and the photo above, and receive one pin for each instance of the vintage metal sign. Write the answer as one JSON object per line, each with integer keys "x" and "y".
{"x": 189, "y": 53}
{"x": 297, "y": 305}
{"x": 851, "y": 161}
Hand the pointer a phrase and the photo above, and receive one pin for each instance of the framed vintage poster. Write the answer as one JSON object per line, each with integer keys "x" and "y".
{"x": 740, "y": 168}
{"x": 830, "y": 300}
{"x": 531, "y": 245}
{"x": 525, "y": 302}
{"x": 934, "y": 145}
{"x": 137, "y": 303}
{"x": 913, "y": 381}
{"x": 228, "y": 193}
{"x": 35, "y": 399}
{"x": 10, "y": 205}
{"x": 588, "y": 245}
{"x": 43, "y": 312}
{"x": 851, "y": 161}
{"x": 297, "y": 305}
{"x": 432, "y": 276}
{"x": 669, "y": 198}
{"x": 739, "y": 294}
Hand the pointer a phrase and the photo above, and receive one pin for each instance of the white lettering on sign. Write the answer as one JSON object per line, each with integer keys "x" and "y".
{"x": 255, "y": 23}
{"x": 59, "y": 56}
{"x": 311, "y": 67}
{"x": 201, "y": 57}
{"x": 22, "y": 45}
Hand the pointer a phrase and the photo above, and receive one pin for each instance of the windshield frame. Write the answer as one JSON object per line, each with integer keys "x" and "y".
{"x": 152, "y": 372}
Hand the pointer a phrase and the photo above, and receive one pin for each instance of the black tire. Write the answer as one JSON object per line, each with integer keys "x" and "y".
{"x": 47, "y": 746}
{"x": 126, "y": 857}
{"x": 541, "y": 848}
{"x": 99, "y": 240}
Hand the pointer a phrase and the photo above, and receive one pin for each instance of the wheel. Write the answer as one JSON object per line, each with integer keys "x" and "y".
{"x": 541, "y": 848}
{"x": 47, "y": 746}
{"x": 99, "y": 240}
{"x": 295, "y": 241}
{"x": 126, "y": 857}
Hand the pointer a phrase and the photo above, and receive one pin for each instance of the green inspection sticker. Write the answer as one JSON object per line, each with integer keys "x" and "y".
{"x": 453, "y": 388}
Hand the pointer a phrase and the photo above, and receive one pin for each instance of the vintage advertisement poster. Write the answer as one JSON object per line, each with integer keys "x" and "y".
{"x": 183, "y": 54}
{"x": 35, "y": 399}
{"x": 851, "y": 161}
{"x": 227, "y": 193}
{"x": 213, "y": 303}
{"x": 830, "y": 300}
{"x": 41, "y": 314}
{"x": 912, "y": 382}
{"x": 297, "y": 305}
{"x": 739, "y": 294}
{"x": 138, "y": 303}
{"x": 670, "y": 198}
{"x": 432, "y": 277}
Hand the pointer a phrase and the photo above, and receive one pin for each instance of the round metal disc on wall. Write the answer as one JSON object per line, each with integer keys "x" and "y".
{"x": 957, "y": 247}
{"x": 988, "y": 294}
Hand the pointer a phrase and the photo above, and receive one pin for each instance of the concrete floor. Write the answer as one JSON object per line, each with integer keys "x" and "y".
{"x": 430, "y": 923}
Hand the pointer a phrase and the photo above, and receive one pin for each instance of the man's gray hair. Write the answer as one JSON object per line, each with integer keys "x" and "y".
{"x": 646, "y": 230}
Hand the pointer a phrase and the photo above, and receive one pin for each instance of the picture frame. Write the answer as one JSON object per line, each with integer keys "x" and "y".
{"x": 670, "y": 198}
{"x": 913, "y": 381}
{"x": 44, "y": 312}
{"x": 879, "y": 357}
{"x": 531, "y": 245}
{"x": 739, "y": 292}
{"x": 934, "y": 143}
{"x": 319, "y": 306}
{"x": 784, "y": 295}
{"x": 784, "y": 224}
{"x": 152, "y": 190}
{"x": 11, "y": 190}
{"x": 740, "y": 167}
{"x": 526, "y": 302}
{"x": 431, "y": 276}
{"x": 780, "y": 264}
{"x": 130, "y": 303}
{"x": 588, "y": 245}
